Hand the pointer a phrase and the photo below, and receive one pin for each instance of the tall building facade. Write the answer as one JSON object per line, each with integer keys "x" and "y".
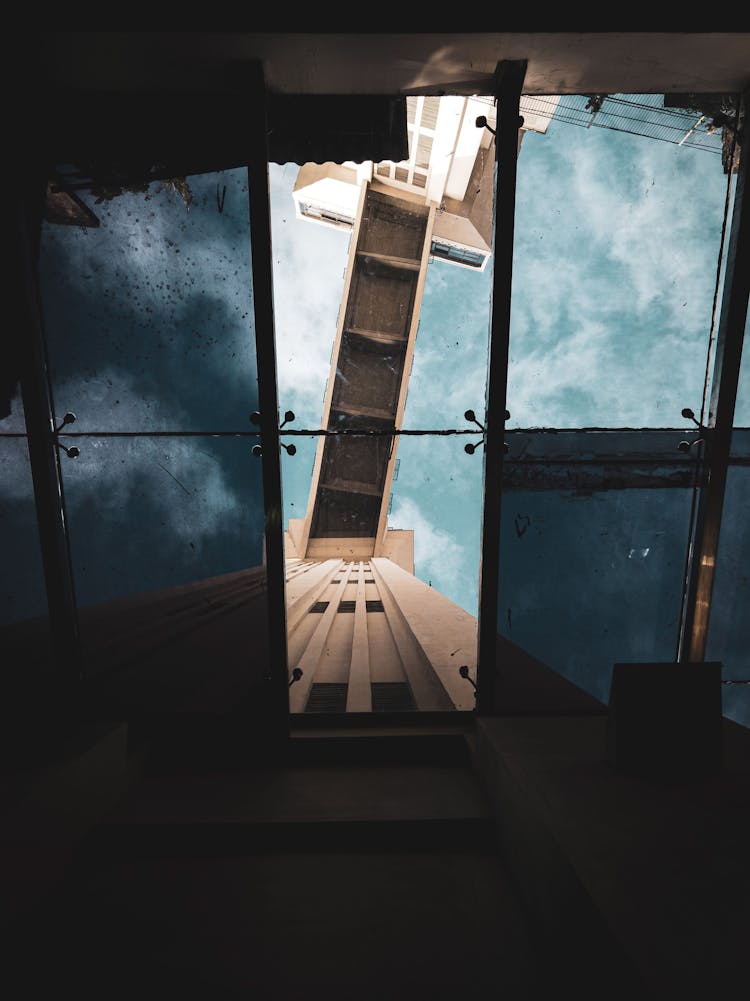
{"x": 364, "y": 634}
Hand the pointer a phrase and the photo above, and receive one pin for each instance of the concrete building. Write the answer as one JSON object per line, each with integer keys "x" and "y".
{"x": 450, "y": 165}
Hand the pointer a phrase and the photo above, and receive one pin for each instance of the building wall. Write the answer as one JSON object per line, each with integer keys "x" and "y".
{"x": 372, "y": 627}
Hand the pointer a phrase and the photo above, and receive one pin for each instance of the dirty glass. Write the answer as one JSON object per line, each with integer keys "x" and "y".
{"x": 149, "y": 322}
{"x": 729, "y": 626}
{"x": 617, "y": 239}
{"x": 152, "y": 513}
{"x": 149, "y": 315}
{"x": 591, "y": 568}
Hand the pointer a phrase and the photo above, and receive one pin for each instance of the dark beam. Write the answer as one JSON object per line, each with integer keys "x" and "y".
{"x": 44, "y": 455}
{"x": 509, "y": 77}
{"x": 721, "y": 416}
{"x": 256, "y": 127}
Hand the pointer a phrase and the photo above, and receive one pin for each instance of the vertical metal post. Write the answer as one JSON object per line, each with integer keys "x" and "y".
{"x": 721, "y": 413}
{"x": 509, "y": 83}
{"x": 44, "y": 455}
{"x": 265, "y": 346}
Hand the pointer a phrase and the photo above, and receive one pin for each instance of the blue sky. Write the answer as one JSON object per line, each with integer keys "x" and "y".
{"x": 617, "y": 238}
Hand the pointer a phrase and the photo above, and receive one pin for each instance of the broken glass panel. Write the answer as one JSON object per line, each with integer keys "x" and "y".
{"x": 617, "y": 238}
{"x": 729, "y": 627}
{"x": 149, "y": 314}
{"x": 592, "y": 559}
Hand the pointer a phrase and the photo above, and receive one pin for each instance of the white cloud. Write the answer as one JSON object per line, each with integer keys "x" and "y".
{"x": 437, "y": 555}
{"x": 616, "y": 246}
{"x": 308, "y": 268}
{"x": 181, "y": 477}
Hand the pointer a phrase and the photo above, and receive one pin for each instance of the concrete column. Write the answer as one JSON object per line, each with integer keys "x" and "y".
{"x": 359, "y": 693}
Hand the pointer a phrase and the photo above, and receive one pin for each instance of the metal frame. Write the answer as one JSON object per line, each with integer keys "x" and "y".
{"x": 44, "y": 449}
{"x": 44, "y": 455}
{"x": 509, "y": 78}
{"x": 718, "y": 439}
{"x": 277, "y": 680}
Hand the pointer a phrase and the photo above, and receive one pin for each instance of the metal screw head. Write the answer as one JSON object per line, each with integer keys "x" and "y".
{"x": 291, "y": 449}
{"x": 255, "y": 417}
{"x": 73, "y": 452}
{"x": 469, "y": 448}
{"x": 684, "y": 446}
{"x": 470, "y": 415}
{"x": 257, "y": 450}
{"x": 69, "y": 418}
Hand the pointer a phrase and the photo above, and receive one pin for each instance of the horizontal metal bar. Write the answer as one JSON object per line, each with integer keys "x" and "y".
{"x": 536, "y": 433}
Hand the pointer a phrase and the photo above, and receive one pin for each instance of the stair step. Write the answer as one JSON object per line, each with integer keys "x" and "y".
{"x": 118, "y": 842}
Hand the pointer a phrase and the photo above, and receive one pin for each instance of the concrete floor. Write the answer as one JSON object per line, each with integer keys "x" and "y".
{"x": 308, "y": 881}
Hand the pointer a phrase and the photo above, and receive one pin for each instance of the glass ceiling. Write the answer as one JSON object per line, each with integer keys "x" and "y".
{"x": 148, "y": 321}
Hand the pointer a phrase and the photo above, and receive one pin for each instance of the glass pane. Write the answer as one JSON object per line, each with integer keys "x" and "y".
{"x": 148, "y": 316}
{"x": 152, "y": 513}
{"x": 367, "y": 624}
{"x": 23, "y": 589}
{"x": 729, "y": 630}
{"x": 449, "y": 373}
{"x": 401, "y": 260}
{"x": 296, "y": 475}
{"x": 437, "y": 493}
{"x": 309, "y": 262}
{"x": 742, "y": 405}
{"x": 14, "y": 422}
{"x": 591, "y": 570}
{"x": 617, "y": 239}
{"x": 25, "y": 649}
{"x": 167, "y": 551}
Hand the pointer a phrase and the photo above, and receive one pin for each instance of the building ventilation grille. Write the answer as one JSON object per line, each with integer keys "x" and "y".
{"x": 391, "y": 696}
{"x": 327, "y": 697}
{"x": 319, "y": 606}
{"x": 369, "y": 580}
{"x": 375, "y": 606}
{"x": 347, "y": 606}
